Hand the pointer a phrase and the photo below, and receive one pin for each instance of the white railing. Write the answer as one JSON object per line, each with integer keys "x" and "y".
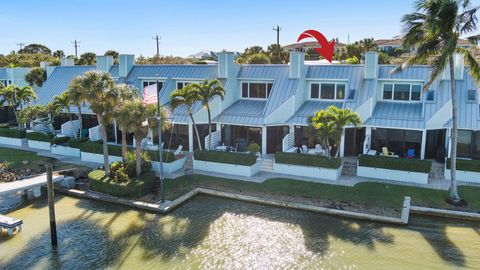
{"x": 95, "y": 133}
{"x": 287, "y": 142}
{"x": 366, "y": 144}
{"x": 216, "y": 138}
{"x": 70, "y": 128}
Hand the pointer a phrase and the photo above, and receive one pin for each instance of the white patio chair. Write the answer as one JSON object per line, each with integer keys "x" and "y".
{"x": 304, "y": 149}
{"x": 178, "y": 151}
{"x": 234, "y": 149}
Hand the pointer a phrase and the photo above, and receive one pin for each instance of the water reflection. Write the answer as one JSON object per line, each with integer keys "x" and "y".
{"x": 211, "y": 233}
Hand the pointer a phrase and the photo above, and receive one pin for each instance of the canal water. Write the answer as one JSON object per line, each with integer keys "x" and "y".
{"x": 213, "y": 233}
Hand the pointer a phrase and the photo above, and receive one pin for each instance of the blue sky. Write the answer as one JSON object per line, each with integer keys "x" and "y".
{"x": 187, "y": 27}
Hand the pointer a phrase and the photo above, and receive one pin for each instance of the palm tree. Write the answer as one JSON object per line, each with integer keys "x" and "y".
{"x": 99, "y": 91}
{"x": 207, "y": 91}
{"x": 434, "y": 29}
{"x": 187, "y": 96}
{"x": 342, "y": 118}
{"x": 15, "y": 96}
{"x": 327, "y": 132}
{"x": 138, "y": 114}
{"x": 123, "y": 117}
{"x": 368, "y": 44}
{"x": 63, "y": 102}
{"x": 76, "y": 97}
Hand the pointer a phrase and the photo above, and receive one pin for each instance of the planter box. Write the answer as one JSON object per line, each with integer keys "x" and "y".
{"x": 464, "y": 176}
{"x": 169, "y": 167}
{"x": 39, "y": 145}
{"x": 395, "y": 175}
{"x": 12, "y": 141}
{"x": 307, "y": 171}
{"x": 98, "y": 158}
{"x": 65, "y": 151}
{"x": 227, "y": 168}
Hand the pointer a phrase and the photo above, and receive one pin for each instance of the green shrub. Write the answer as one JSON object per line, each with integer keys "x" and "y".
{"x": 60, "y": 140}
{"x": 226, "y": 157}
{"x": 253, "y": 148}
{"x": 167, "y": 156}
{"x": 75, "y": 143}
{"x": 40, "y": 136}
{"x": 97, "y": 148}
{"x": 12, "y": 133}
{"x": 130, "y": 163}
{"x": 392, "y": 163}
{"x": 132, "y": 188}
{"x": 308, "y": 160}
{"x": 466, "y": 165}
{"x": 118, "y": 172}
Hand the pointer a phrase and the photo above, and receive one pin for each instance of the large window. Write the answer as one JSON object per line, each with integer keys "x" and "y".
{"x": 327, "y": 90}
{"x": 472, "y": 95}
{"x": 402, "y": 91}
{"x": 468, "y": 145}
{"x": 397, "y": 140}
{"x": 148, "y": 83}
{"x": 180, "y": 85}
{"x": 256, "y": 90}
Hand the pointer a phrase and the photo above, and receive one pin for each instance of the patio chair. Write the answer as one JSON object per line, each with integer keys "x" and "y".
{"x": 410, "y": 154}
{"x": 304, "y": 149}
{"x": 319, "y": 150}
{"x": 387, "y": 153}
{"x": 179, "y": 150}
{"x": 234, "y": 149}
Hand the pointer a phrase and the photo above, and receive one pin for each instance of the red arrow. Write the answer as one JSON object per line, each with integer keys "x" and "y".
{"x": 326, "y": 49}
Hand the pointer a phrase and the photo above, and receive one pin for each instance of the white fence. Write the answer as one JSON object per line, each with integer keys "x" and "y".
{"x": 216, "y": 138}
{"x": 70, "y": 128}
{"x": 95, "y": 134}
{"x": 287, "y": 142}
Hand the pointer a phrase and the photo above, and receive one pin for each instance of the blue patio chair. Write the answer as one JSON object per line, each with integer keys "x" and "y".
{"x": 410, "y": 154}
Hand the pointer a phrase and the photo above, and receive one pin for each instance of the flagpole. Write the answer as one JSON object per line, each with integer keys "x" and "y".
{"x": 160, "y": 146}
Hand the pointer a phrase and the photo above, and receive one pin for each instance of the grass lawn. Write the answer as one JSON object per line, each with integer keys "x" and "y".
{"x": 374, "y": 194}
{"x": 14, "y": 159}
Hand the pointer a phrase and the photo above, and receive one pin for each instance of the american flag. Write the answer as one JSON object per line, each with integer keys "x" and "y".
{"x": 150, "y": 94}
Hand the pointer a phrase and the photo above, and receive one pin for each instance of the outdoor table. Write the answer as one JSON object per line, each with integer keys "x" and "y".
{"x": 223, "y": 148}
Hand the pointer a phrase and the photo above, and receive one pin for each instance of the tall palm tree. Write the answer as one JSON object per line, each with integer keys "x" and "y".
{"x": 342, "y": 118}
{"x": 15, "y": 97}
{"x": 63, "y": 102}
{"x": 207, "y": 91}
{"x": 368, "y": 44}
{"x": 123, "y": 117}
{"x": 187, "y": 96}
{"x": 77, "y": 98}
{"x": 434, "y": 29}
{"x": 327, "y": 132}
{"x": 139, "y": 114}
{"x": 98, "y": 89}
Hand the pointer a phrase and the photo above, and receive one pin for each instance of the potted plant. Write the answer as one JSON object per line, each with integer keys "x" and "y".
{"x": 254, "y": 148}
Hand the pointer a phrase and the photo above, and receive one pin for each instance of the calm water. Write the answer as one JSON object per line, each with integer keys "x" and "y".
{"x": 211, "y": 233}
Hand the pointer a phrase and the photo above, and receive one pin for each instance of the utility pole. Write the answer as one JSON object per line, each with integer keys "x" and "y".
{"x": 20, "y": 44}
{"x": 75, "y": 44}
{"x": 157, "y": 40}
{"x": 51, "y": 205}
{"x": 160, "y": 145}
{"x": 277, "y": 29}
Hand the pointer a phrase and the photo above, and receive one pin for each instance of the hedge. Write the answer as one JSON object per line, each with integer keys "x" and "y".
{"x": 131, "y": 189}
{"x": 308, "y": 160}
{"x": 40, "y": 136}
{"x": 12, "y": 133}
{"x": 466, "y": 165}
{"x": 226, "y": 157}
{"x": 75, "y": 143}
{"x": 116, "y": 150}
{"x": 60, "y": 140}
{"x": 392, "y": 163}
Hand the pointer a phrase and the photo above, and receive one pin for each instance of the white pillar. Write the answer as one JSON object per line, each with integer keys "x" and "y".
{"x": 115, "y": 130}
{"x": 449, "y": 142}
{"x": 264, "y": 140}
{"x": 190, "y": 137}
{"x": 342, "y": 144}
{"x": 368, "y": 136}
{"x": 424, "y": 144}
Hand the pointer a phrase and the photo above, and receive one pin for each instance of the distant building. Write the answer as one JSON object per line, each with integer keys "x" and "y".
{"x": 390, "y": 45}
{"x": 312, "y": 44}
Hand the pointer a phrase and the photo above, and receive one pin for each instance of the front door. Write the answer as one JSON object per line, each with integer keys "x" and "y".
{"x": 275, "y": 136}
{"x": 354, "y": 138}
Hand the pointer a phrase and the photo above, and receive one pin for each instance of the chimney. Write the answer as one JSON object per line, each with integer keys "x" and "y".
{"x": 226, "y": 64}
{"x": 297, "y": 63}
{"x": 48, "y": 69}
{"x": 67, "y": 62}
{"x": 126, "y": 62}
{"x": 371, "y": 65}
{"x": 104, "y": 63}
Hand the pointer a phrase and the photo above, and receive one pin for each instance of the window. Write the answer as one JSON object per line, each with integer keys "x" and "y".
{"x": 327, "y": 90}
{"x": 430, "y": 95}
{"x": 387, "y": 91}
{"x": 180, "y": 85}
{"x": 351, "y": 94}
{"x": 5, "y": 82}
{"x": 472, "y": 95}
{"x": 148, "y": 83}
{"x": 402, "y": 92}
{"x": 256, "y": 90}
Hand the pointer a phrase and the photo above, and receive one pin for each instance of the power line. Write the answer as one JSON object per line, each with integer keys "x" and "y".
{"x": 75, "y": 44}
{"x": 20, "y": 44}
